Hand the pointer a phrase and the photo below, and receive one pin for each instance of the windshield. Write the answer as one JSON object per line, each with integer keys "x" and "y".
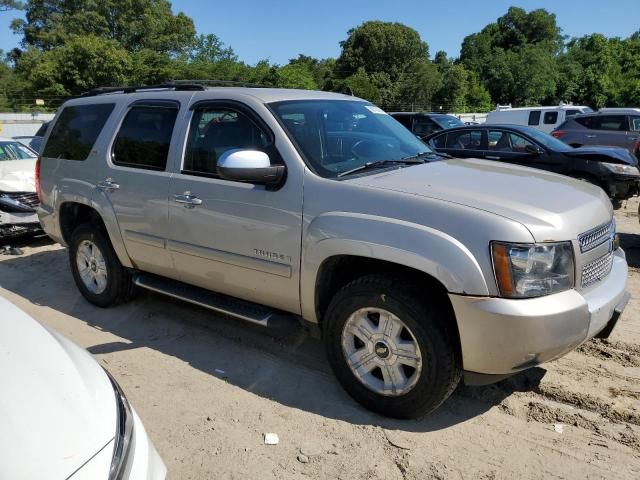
{"x": 15, "y": 151}
{"x": 339, "y": 135}
{"x": 448, "y": 121}
{"x": 548, "y": 141}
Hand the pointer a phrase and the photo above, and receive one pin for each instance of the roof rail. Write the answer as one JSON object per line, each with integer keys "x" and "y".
{"x": 132, "y": 89}
{"x": 177, "y": 85}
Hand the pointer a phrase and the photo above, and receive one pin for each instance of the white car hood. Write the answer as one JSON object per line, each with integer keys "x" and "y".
{"x": 57, "y": 406}
{"x": 18, "y": 175}
{"x": 551, "y": 206}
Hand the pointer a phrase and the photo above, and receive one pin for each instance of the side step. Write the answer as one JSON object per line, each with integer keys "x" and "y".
{"x": 225, "y": 304}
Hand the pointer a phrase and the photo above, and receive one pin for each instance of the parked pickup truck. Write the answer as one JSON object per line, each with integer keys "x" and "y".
{"x": 259, "y": 203}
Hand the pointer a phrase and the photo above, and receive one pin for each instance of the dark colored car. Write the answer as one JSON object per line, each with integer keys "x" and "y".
{"x": 423, "y": 124}
{"x": 613, "y": 169}
{"x": 616, "y": 127}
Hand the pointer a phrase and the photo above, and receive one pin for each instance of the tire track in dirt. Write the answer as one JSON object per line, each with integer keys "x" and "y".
{"x": 623, "y": 353}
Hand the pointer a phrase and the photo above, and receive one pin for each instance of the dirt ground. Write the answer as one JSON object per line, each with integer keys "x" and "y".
{"x": 208, "y": 388}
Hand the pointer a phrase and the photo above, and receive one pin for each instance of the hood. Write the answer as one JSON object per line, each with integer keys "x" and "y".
{"x": 604, "y": 154}
{"x": 551, "y": 206}
{"x": 18, "y": 175}
{"x": 57, "y": 406}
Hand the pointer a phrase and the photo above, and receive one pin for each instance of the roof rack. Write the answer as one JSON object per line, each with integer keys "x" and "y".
{"x": 176, "y": 85}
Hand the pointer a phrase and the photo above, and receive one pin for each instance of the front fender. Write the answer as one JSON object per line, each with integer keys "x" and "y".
{"x": 389, "y": 239}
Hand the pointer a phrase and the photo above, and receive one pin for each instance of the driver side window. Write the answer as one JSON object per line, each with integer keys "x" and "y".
{"x": 214, "y": 131}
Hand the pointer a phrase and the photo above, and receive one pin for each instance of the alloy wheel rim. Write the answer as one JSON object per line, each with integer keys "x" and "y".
{"x": 92, "y": 267}
{"x": 381, "y": 351}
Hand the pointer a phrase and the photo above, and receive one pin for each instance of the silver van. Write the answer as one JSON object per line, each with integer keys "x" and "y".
{"x": 417, "y": 270}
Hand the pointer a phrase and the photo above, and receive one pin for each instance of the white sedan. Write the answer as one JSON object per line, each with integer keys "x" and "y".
{"x": 18, "y": 198}
{"x": 61, "y": 415}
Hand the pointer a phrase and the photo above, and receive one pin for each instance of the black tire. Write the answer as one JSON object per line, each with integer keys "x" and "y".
{"x": 427, "y": 320}
{"x": 119, "y": 286}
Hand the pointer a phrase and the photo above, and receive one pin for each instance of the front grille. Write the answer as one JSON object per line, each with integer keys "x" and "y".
{"x": 596, "y": 236}
{"x": 30, "y": 199}
{"x": 596, "y": 270}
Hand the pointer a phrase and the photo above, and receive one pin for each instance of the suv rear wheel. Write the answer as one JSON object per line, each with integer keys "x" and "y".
{"x": 98, "y": 273}
{"x": 392, "y": 352}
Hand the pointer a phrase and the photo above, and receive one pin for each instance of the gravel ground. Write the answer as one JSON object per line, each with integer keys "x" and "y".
{"x": 208, "y": 388}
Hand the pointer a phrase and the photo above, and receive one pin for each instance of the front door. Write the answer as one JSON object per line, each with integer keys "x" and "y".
{"x": 135, "y": 181}
{"x": 235, "y": 238}
{"x": 511, "y": 147}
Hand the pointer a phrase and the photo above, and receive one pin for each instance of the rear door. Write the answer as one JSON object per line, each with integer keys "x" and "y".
{"x": 135, "y": 181}
{"x": 609, "y": 130}
{"x": 549, "y": 120}
{"x": 461, "y": 143}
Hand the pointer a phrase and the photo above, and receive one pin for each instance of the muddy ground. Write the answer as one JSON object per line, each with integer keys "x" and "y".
{"x": 208, "y": 388}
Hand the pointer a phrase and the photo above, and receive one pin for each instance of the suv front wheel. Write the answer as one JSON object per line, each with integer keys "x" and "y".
{"x": 392, "y": 352}
{"x": 98, "y": 273}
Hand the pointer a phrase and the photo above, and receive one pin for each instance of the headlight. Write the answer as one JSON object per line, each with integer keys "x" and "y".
{"x": 124, "y": 433}
{"x": 621, "y": 169}
{"x": 532, "y": 270}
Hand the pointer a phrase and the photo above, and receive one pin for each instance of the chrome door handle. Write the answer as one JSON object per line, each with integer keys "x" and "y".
{"x": 108, "y": 185}
{"x": 591, "y": 136}
{"x": 187, "y": 199}
{"x": 491, "y": 157}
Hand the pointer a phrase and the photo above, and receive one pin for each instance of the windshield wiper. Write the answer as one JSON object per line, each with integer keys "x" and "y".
{"x": 380, "y": 164}
{"x": 428, "y": 154}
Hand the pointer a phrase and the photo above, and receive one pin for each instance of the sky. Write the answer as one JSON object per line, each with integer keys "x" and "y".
{"x": 278, "y": 30}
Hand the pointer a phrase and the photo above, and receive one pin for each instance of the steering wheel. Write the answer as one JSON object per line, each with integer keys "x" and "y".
{"x": 368, "y": 148}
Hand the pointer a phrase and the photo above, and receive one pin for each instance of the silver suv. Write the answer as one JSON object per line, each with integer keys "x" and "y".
{"x": 417, "y": 270}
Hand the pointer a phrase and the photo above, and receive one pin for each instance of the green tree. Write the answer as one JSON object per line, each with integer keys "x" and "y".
{"x": 84, "y": 62}
{"x": 6, "y": 5}
{"x": 296, "y": 75}
{"x": 209, "y": 48}
{"x": 381, "y": 47}
{"x": 143, "y": 24}
{"x": 419, "y": 85}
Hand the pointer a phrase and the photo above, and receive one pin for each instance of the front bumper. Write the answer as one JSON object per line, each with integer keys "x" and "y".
{"x": 502, "y": 336}
{"x": 621, "y": 187}
{"x": 145, "y": 463}
{"x": 18, "y": 223}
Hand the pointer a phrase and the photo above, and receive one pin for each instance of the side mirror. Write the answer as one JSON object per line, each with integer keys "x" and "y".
{"x": 252, "y": 166}
{"x": 533, "y": 150}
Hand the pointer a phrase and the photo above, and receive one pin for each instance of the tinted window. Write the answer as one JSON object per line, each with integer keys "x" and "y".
{"x": 635, "y": 123}
{"x": 440, "y": 141}
{"x": 586, "y": 122}
{"x": 144, "y": 138}
{"x": 534, "y": 117}
{"x": 465, "y": 140}
{"x": 448, "y": 121}
{"x": 425, "y": 126}
{"x": 550, "y": 118}
{"x": 611, "y": 122}
{"x": 404, "y": 120}
{"x": 214, "y": 131}
{"x": 571, "y": 113}
{"x": 76, "y": 131}
{"x": 502, "y": 141}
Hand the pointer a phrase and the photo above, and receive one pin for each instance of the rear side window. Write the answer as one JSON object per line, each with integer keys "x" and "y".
{"x": 405, "y": 120}
{"x": 534, "y": 117}
{"x": 425, "y": 126}
{"x": 76, "y": 131}
{"x": 611, "y": 122}
{"x": 144, "y": 138}
{"x": 586, "y": 122}
{"x": 465, "y": 140}
{"x": 635, "y": 124}
{"x": 571, "y": 113}
{"x": 550, "y": 118}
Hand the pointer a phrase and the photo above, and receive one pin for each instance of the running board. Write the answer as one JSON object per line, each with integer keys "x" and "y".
{"x": 225, "y": 304}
